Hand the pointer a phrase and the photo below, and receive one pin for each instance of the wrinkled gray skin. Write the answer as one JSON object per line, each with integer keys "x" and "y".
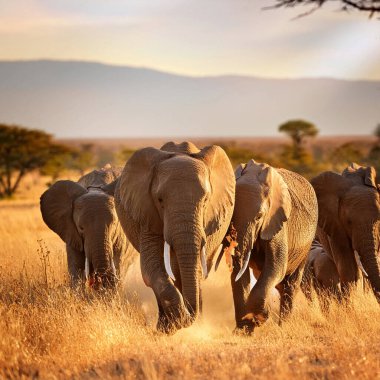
{"x": 349, "y": 220}
{"x": 320, "y": 274}
{"x": 184, "y": 196}
{"x": 83, "y": 214}
{"x": 275, "y": 218}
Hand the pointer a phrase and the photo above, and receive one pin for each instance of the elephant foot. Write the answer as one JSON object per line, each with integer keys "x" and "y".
{"x": 256, "y": 319}
{"x": 174, "y": 318}
{"x": 244, "y": 329}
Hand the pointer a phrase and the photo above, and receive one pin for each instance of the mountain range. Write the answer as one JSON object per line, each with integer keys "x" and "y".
{"x": 72, "y": 99}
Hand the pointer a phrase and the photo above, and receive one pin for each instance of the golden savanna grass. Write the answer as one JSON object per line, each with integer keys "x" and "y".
{"x": 48, "y": 331}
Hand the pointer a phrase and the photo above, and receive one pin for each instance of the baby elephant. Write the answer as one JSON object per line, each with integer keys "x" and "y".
{"x": 320, "y": 274}
{"x": 275, "y": 217}
{"x": 83, "y": 215}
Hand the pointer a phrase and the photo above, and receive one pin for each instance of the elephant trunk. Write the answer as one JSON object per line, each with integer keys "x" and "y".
{"x": 188, "y": 257}
{"x": 187, "y": 241}
{"x": 371, "y": 263}
{"x": 99, "y": 253}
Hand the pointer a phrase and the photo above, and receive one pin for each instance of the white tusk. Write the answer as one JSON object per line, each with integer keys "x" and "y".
{"x": 251, "y": 279}
{"x": 87, "y": 268}
{"x": 114, "y": 269}
{"x": 204, "y": 262}
{"x": 167, "y": 260}
{"x": 359, "y": 263}
{"x": 245, "y": 265}
{"x": 218, "y": 255}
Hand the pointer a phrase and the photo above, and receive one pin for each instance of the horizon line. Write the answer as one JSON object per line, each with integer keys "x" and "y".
{"x": 185, "y": 75}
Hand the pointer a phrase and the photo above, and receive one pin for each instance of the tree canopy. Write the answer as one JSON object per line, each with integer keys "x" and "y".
{"x": 370, "y": 6}
{"x": 23, "y": 150}
{"x": 298, "y": 130}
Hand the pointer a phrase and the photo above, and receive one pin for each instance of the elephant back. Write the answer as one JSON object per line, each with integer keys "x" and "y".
{"x": 100, "y": 177}
{"x": 301, "y": 193}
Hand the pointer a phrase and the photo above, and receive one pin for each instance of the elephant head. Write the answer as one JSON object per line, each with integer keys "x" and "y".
{"x": 86, "y": 220}
{"x": 262, "y": 206}
{"x": 349, "y": 209}
{"x": 181, "y": 200}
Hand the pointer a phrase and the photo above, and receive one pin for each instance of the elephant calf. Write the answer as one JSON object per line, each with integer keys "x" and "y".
{"x": 320, "y": 273}
{"x": 275, "y": 217}
{"x": 83, "y": 215}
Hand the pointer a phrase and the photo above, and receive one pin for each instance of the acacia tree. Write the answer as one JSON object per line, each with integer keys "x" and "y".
{"x": 298, "y": 130}
{"x": 23, "y": 150}
{"x": 370, "y": 6}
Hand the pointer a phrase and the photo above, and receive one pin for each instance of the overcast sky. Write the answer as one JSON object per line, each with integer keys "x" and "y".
{"x": 194, "y": 37}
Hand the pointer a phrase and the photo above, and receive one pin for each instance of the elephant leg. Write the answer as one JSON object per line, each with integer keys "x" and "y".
{"x": 291, "y": 285}
{"x": 308, "y": 282}
{"x": 240, "y": 292}
{"x": 75, "y": 263}
{"x": 345, "y": 263}
{"x": 274, "y": 270}
{"x": 169, "y": 299}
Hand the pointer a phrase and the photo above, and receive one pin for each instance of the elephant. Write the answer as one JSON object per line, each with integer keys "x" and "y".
{"x": 83, "y": 215}
{"x": 175, "y": 205}
{"x": 320, "y": 274}
{"x": 275, "y": 217}
{"x": 349, "y": 223}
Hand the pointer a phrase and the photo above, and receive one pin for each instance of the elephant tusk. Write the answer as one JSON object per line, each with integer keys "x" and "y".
{"x": 219, "y": 255}
{"x": 87, "y": 268}
{"x": 204, "y": 262}
{"x": 113, "y": 268}
{"x": 245, "y": 265}
{"x": 167, "y": 261}
{"x": 359, "y": 263}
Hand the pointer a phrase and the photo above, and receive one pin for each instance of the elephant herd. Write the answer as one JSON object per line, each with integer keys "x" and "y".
{"x": 181, "y": 208}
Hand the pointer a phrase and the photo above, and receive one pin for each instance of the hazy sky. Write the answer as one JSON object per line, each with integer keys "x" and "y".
{"x": 195, "y": 37}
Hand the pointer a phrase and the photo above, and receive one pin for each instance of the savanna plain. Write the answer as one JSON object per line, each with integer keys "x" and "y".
{"x": 49, "y": 331}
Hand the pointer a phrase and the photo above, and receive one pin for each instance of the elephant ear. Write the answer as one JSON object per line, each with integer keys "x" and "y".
{"x": 329, "y": 187}
{"x": 185, "y": 147}
{"x": 133, "y": 192}
{"x": 239, "y": 171}
{"x": 57, "y": 211}
{"x": 110, "y": 188}
{"x": 222, "y": 182}
{"x": 279, "y": 202}
{"x": 365, "y": 175}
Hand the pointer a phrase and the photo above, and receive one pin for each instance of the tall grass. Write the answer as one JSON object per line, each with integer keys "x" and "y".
{"x": 50, "y": 331}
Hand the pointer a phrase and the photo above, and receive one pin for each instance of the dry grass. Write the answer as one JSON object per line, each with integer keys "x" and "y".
{"x": 50, "y": 332}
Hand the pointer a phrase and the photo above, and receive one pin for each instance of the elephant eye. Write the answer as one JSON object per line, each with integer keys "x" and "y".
{"x": 258, "y": 215}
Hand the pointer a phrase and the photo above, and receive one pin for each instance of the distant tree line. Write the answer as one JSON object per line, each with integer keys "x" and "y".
{"x": 25, "y": 150}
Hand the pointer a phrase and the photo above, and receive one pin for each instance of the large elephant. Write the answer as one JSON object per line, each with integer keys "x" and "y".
{"x": 83, "y": 215}
{"x": 349, "y": 221}
{"x": 275, "y": 218}
{"x": 175, "y": 205}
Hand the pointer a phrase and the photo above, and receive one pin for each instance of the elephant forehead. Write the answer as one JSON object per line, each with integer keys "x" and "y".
{"x": 250, "y": 184}
{"x": 184, "y": 166}
{"x": 94, "y": 200}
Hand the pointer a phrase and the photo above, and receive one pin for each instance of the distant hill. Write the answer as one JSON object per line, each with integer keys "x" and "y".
{"x": 81, "y": 99}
